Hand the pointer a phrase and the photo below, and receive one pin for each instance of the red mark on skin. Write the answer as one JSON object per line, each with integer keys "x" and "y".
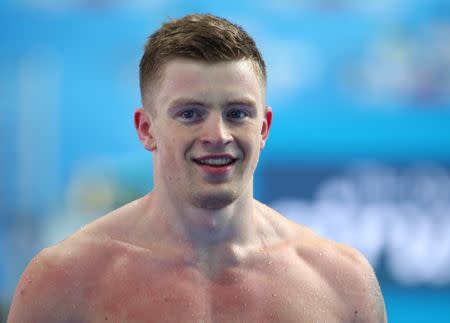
{"x": 25, "y": 283}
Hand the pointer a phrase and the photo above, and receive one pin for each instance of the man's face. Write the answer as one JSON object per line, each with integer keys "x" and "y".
{"x": 208, "y": 124}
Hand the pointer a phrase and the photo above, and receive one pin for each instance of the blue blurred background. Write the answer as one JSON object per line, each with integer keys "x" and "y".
{"x": 359, "y": 149}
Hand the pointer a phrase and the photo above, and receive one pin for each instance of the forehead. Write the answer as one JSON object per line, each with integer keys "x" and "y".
{"x": 209, "y": 81}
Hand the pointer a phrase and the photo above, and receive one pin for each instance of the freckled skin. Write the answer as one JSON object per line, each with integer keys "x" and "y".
{"x": 199, "y": 247}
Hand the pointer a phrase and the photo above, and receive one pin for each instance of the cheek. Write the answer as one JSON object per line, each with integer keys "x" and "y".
{"x": 251, "y": 145}
{"x": 255, "y": 138}
{"x": 173, "y": 153}
{"x": 167, "y": 153}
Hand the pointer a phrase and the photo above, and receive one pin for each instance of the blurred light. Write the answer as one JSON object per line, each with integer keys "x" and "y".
{"x": 90, "y": 5}
{"x": 38, "y": 130}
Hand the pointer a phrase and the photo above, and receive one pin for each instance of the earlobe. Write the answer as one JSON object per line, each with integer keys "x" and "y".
{"x": 267, "y": 123}
{"x": 143, "y": 128}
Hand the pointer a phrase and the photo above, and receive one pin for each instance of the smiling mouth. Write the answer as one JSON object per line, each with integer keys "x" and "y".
{"x": 215, "y": 161}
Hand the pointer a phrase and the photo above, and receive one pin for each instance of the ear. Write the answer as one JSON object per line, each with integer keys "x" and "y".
{"x": 267, "y": 122}
{"x": 143, "y": 127}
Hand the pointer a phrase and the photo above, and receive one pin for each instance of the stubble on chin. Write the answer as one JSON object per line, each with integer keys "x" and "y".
{"x": 214, "y": 201}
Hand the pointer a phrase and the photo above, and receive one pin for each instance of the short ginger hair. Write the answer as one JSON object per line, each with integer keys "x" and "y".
{"x": 203, "y": 37}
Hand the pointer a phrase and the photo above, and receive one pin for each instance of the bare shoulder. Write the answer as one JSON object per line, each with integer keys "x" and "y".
{"x": 47, "y": 290}
{"x": 59, "y": 281}
{"x": 344, "y": 271}
{"x": 347, "y": 272}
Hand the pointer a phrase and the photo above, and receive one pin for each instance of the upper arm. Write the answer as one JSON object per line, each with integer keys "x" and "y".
{"x": 351, "y": 278}
{"x": 365, "y": 291}
{"x": 43, "y": 293}
{"x": 375, "y": 307}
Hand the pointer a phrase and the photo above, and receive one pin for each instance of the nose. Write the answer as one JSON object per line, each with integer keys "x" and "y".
{"x": 216, "y": 132}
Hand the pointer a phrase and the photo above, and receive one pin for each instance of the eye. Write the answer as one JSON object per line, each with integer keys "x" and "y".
{"x": 189, "y": 115}
{"x": 237, "y": 114}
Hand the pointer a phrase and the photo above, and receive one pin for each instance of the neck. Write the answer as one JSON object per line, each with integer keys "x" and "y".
{"x": 203, "y": 227}
{"x": 210, "y": 239}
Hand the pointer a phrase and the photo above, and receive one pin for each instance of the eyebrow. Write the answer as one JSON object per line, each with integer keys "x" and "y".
{"x": 186, "y": 101}
{"x": 179, "y": 103}
{"x": 242, "y": 101}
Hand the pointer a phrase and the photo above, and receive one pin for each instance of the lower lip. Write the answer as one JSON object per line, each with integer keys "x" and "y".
{"x": 222, "y": 170}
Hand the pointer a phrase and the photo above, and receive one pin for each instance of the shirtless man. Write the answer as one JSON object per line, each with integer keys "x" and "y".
{"x": 199, "y": 247}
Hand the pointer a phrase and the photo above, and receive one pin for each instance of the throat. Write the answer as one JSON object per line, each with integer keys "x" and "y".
{"x": 214, "y": 261}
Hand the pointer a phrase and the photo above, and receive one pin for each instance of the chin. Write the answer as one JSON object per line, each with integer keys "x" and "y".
{"x": 214, "y": 201}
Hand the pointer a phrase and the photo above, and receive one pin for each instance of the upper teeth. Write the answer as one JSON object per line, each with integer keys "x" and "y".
{"x": 215, "y": 161}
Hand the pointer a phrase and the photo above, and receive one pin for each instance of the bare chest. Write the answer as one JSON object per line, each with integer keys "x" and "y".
{"x": 183, "y": 294}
